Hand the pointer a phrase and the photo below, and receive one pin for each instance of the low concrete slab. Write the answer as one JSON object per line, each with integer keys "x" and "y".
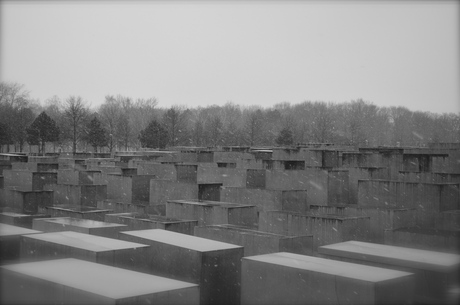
{"x": 107, "y": 251}
{"x": 434, "y": 271}
{"x": 86, "y": 226}
{"x": 287, "y": 278}
{"x": 74, "y": 281}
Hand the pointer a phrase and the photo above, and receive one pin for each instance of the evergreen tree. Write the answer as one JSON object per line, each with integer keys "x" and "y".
{"x": 285, "y": 137}
{"x": 97, "y": 135}
{"x": 42, "y": 130}
{"x": 154, "y": 136}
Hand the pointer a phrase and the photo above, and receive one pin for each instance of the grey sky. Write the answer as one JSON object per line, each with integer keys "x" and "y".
{"x": 261, "y": 53}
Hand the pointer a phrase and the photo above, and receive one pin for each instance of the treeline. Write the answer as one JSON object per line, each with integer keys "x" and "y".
{"x": 124, "y": 123}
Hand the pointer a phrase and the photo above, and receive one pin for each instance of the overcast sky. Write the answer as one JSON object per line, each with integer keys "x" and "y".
{"x": 257, "y": 53}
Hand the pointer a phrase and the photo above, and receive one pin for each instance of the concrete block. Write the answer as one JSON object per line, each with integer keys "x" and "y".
{"x": 97, "y": 249}
{"x": 27, "y": 180}
{"x": 73, "y": 281}
{"x": 163, "y": 190}
{"x": 80, "y": 212}
{"x": 448, "y": 220}
{"x": 381, "y": 219}
{"x": 257, "y": 242}
{"x": 82, "y": 195}
{"x": 86, "y": 226}
{"x": 326, "y": 229}
{"x": 434, "y": 271}
{"x": 267, "y": 200}
{"x": 129, "y": 188}
{"x": 214, "y": 265}
{"x": 287, "y": 278}
{"x": 213, "y": 212}
{"x": 424, "y": 238}
{"x": 20, "y": 220}
{"x": 27, "y": 202}
{"x": 10, "y": 242}
{"x": 140, "y": 221}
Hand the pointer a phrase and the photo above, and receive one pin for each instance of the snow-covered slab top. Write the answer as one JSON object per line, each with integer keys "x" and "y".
{"x": 77, "y": 222}
{"x": 393, "y": 255}
{"x": 212, "y": 203}
{"x": 86, "y": 242}
{"x": 182, "y": 240}
{"x": 328, "y": 266}
{"x": 107, "y": 281}
{"x": 9, "y": 230}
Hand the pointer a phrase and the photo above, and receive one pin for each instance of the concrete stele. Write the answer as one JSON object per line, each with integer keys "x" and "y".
{"x": 106, "y": 282}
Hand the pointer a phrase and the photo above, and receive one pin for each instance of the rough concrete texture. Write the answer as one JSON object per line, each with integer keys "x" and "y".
{"x": 287, "y": 278}
{"x": 73, "y": 281}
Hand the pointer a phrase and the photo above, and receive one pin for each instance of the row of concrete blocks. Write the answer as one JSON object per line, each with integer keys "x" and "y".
{"x": 221, "y": 272}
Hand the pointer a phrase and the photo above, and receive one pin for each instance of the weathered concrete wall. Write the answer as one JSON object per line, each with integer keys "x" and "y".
{"x": 213, "y": 212}
{"x": 82, "y": 195}
{"x": 338, "y": 187}
{"x": 129, "y": 188}
{"x": 313, "y": 180}
{"x": 163, "y": 190}
{"x": 186, "y": 172}
{"x": 326, "y": 229}
{"x": 227, "y": 176}
{"x": 27, "y": 202}
{"x": 139, "y": 221}
{"x": 267, "y": 200}
{"x": 161, "y": 171}
{"x": 425, "y": 239}
{"x": 427, "y": 198}
{"x": 448, "y": 220}
{"x": 256, "y": 242}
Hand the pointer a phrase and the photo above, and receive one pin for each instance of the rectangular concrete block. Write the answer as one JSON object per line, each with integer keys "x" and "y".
{"x": 73, "y": 281}
{"x": 214, "y": 265}
{"x": 257, "y": 242}
{"x": 287, "y": 278}
{"x": 267, "y": 200}
{"x": 424, "y": 238}
{"x": 102, "y": 250}
{"x": 129, "y": 188}
{"x": 83, "y": 195}
{"x": 27, "y": 202}
{"x": 142, "y": 221}
{"x": 86, "y": 226}
{"x": 20, "y": 220}
{"x": 163, "y": 190}
{"x": 435, "y": 272}
{"x": 80, "y": 212}
{"x": 10, "y": 242}
{"x": 326, "y": 229}
{"x": 213, "y": 212}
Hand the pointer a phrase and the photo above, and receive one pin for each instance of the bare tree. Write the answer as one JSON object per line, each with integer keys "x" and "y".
{"x": 76, "y": 113}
